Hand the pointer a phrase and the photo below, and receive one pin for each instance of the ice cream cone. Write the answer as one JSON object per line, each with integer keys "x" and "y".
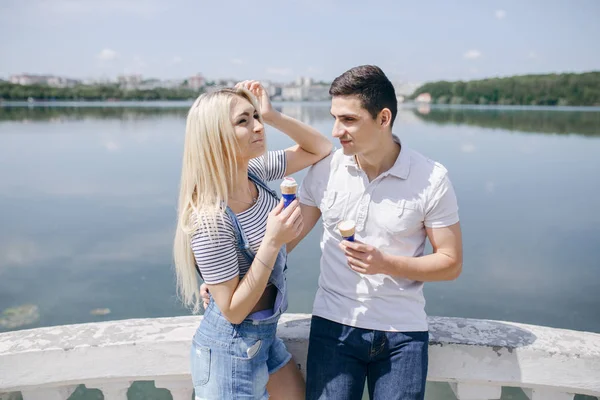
{"x": 347, "y": 229}
{"x": 288, "y": 190}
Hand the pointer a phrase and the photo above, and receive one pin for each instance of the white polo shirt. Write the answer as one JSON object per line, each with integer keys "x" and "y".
{"x": 391, "y": 213}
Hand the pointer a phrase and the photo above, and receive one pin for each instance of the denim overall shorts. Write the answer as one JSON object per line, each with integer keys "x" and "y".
{"x": 234, "y": 361}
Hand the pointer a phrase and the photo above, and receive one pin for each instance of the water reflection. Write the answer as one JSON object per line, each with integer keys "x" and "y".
{"x": 78, "y": 113}
{"x": 580, "y": 121}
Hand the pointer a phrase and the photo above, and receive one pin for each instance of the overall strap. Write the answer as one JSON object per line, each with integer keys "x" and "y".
{"x": 240, "y": 236}
{"x": 254, "y": 178}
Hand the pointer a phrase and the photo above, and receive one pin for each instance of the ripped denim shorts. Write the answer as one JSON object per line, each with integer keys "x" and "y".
{"x": 234, "y": 361}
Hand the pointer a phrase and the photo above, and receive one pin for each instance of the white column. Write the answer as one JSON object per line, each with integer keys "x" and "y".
{"x": 60, "y": 393}
{"x": 465, "y": 391}
{"x": 181, "y": 389}
{"x": 113, "y": 390}
{"x": 546, "y": 394}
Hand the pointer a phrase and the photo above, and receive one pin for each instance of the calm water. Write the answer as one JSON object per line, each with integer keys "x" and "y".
{"x": 87, "y": 212}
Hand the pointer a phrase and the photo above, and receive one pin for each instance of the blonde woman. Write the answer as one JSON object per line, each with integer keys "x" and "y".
{"x": 232, "y": 231}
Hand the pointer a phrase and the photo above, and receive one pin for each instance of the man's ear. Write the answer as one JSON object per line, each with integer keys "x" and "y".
{"x": 385, "y": 117}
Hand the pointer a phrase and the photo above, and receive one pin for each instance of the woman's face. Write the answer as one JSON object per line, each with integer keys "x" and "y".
{"x": 249, "y": 131}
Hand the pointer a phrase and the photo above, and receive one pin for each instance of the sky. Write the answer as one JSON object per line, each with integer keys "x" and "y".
{"x": 412, "y": 41}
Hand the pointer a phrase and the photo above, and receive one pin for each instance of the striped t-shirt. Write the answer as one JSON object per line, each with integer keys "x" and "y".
{"x": 219, "y": 260}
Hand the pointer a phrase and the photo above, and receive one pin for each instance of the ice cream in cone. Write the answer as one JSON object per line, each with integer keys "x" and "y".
{"x": 289, "y": 188}
{"x": 346, "y": 229}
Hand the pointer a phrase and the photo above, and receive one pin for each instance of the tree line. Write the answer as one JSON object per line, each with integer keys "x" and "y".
{"x": 14, "y": 92}
{"x": 548, "y": 90}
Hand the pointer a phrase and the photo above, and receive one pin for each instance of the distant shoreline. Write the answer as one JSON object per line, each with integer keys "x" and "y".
{"x": 187, "y": 103}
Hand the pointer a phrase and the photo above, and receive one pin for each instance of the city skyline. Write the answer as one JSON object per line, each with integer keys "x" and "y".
{"x": 235, "y": 40}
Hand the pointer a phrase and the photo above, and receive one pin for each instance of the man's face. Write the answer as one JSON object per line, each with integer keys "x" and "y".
{"x": 354, "y": 126}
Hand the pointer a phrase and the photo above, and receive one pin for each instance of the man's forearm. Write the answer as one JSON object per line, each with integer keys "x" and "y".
{"x": 429, "y": 268}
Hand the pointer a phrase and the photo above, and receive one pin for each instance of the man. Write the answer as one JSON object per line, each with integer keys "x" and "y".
{"x": 368, "y": 318}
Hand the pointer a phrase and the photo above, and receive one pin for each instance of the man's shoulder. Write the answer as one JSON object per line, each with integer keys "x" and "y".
{"x": 423, "y": 166}
{"x": 329, "y": 163}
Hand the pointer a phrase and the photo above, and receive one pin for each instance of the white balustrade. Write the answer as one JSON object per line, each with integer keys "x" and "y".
{"x": 467, "y": 391}
{"x": 547, "y": 394}
{"x": 477, "y": 357}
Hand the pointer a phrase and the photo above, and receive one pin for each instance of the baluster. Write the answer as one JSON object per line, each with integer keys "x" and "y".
{"x": 113, "y": 390}
{"x": 59, "y": 393}
{"x": 547, "y": 394}
{"x": 181, "y": 389}
{"x": 467, "y": 391}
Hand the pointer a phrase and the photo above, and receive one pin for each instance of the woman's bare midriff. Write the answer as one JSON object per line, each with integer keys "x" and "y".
{"x": 267, "y": 300}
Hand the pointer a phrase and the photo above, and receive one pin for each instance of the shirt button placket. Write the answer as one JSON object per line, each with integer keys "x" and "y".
{"x": 363, "y": 205}
{"x": 363, "y": 209}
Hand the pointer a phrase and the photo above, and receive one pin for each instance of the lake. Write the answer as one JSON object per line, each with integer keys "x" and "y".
{"x": 88, "y": 208}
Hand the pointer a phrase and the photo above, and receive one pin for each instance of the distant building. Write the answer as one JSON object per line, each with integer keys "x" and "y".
{"x": 171, "y": 83}
{"x": 273, "y": 89}
{"x": 150, "y": 84}
{"x": 129, "y": 82}
{"x": 304, "y": 81}
{"x": 57, "y": 81}
{"x": 196, "y": 82}
{"x": 304, "y": 93}
{"x": 26, "y": 79}
{"x": 98, "y": 81}
{"x": 50, "y": 80}
{"x": 423, "y": 98}
{"x": 292, "y": 93}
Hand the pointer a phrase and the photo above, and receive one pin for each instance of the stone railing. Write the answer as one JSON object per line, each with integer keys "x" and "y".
{"x": 477, "y": 357}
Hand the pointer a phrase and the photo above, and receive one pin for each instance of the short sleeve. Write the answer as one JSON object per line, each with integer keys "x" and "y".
{"x": 271, "y": 167}
{"x": 315, "y": 182}
{"x": 216, "y": 255}
{"x": 442, "y": 206}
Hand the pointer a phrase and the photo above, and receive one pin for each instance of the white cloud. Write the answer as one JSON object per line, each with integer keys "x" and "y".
{"x": 237, "y": 61}
{"x": 107, "y": 55}
{"x": 490, "y": 187}
{"x": 176, "y": 60}
{"x": 500, "y": 14}
{"x": 473, "y": 70}
{"x": 279, "y": 71}
{"x": 472, "y": 54}
{"x": 532, "y": 55}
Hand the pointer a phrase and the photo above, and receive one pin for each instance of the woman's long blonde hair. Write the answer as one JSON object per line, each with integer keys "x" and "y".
{"x": 208, "y": 173}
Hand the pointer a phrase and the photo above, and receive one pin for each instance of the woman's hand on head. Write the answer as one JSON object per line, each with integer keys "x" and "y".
{"x": 261, "y": 94}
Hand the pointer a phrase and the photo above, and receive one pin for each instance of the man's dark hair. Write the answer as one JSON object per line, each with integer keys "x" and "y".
{"x": 370, "y": 85}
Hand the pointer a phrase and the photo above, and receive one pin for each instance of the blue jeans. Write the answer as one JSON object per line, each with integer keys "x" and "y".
{"x": 341, "y": 357}
{"x": 234, "y": 361}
